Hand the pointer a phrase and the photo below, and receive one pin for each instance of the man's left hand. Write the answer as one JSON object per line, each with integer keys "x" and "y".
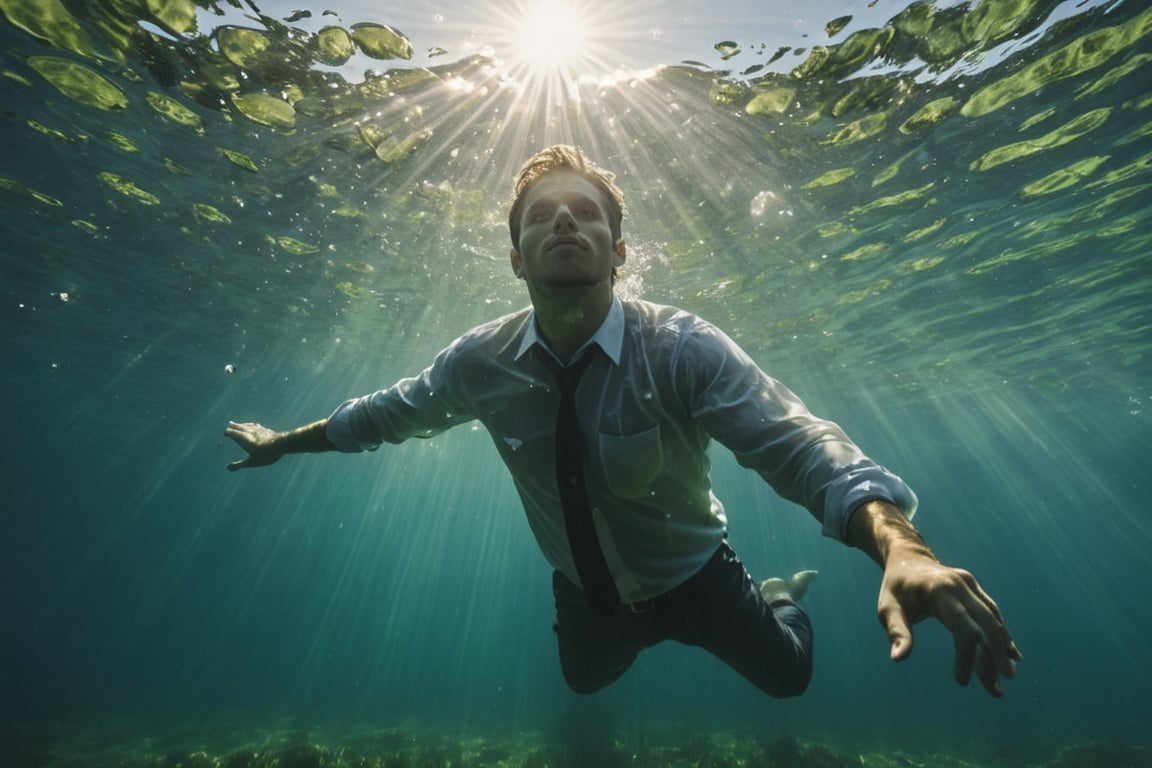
{"x": 917, "y": 586}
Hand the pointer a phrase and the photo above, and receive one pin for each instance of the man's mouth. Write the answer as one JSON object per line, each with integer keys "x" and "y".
{"x": 565, "y": 240}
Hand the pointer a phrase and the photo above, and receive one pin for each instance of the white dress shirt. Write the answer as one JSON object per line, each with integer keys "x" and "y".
{"x": 666, "y": 384}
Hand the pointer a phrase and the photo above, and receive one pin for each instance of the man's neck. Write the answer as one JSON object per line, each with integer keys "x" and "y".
{"x": 567, "y": 320}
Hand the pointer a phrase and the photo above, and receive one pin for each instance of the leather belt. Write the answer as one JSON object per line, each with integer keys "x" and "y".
{"x": 642, "y": 606}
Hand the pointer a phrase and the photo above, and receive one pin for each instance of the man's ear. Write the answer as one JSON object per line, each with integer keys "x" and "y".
{"x": 621, "y": 253}
{"x": 514, "y": 259}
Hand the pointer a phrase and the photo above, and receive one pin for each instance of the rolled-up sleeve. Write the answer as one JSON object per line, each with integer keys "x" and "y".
{"x": 807, "y": 460}
{"x": 860, "y": 484}
{"x": 347, "y": 438}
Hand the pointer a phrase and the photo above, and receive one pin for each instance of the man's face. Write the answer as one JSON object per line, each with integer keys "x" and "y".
{"x": 565, "y": 235}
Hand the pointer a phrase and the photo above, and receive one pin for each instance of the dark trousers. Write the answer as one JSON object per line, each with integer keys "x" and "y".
{"x": 719, "y": 609}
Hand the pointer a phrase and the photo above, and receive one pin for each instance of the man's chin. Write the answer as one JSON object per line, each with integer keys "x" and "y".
{"x": 574, "y": 282}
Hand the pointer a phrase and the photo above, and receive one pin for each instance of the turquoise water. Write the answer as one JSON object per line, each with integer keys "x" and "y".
{"x": 932, "y": 225}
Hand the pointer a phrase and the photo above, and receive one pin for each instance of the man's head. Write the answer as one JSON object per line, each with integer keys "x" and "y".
{"x": 564, "y": 157}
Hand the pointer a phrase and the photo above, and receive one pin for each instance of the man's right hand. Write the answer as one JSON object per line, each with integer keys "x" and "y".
{"x": 264, "y": 446}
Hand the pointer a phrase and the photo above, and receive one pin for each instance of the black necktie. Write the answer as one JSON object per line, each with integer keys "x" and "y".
{"x": 594, "y": 575}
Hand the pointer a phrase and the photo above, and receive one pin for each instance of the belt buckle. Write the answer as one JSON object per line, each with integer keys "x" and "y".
{"x": 642, "y": 606}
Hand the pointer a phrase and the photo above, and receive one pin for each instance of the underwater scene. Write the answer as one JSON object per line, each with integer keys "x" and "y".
{"x": 931, "y": 220}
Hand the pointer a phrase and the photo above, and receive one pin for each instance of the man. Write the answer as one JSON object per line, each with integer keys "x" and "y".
{"x": 603, "y": 409}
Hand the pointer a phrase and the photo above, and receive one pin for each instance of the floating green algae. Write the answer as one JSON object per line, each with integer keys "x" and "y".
{"x": 1081, "y": 55}
{"x": 871, "y": 94}
{"x": 727, "y": 49}
{"x": 958, "y": 241}
{"x": 835, "y": 229}
{"x": 50, "y": 132}
{"x": 351, "y": 291}
{"x": 1070, "y": 131}
{"x": 834, "y": 27}
{"x": 891, "y": 171}
{"x": 16, "y": 77}
{"x": 333, "y": 46}
{"x": 296, "y": 247}
{"x": 380, "y": 41}
{"x": 725, "y": 92}
{"x": 390, "y": 150}
{"x": 128, "y": 188}
{"x": 240, "y": 160}
{"x": 243, "y": 46}
{"x": 1137, "y": 167}
{"x": 349, "y": 212}
{"x": 993, "y": 22}
{"x": 774, "y": 101}
{"x": 1042, "y": 250}
{"x": 889, "y": 201}
{"x": 1069, "y": 176}
{"x": 862, "y": 294}
{"x": 865, "y": 252}
{"x": 15, "y": 186}
{"x": 913, "y": 266}
{"x": 265, "y": 109}
{"x": 858, "y": 130}
{"x": 930, "y": 115}
{"x": 836, "y": 61}
{"x": 919, "y": 234}
{"x": 177, "y": 16}
{"x": 1138, "y": 63}
{"x": 122, "y": 142}
{"x": 1037, "y": 118}
{"x": 828, "y": 178}
{"x": 51, "y": 22}
{"x": 174, "y": 110}
{"x": 205, "y": 212}
{"x": 79, "y": 83}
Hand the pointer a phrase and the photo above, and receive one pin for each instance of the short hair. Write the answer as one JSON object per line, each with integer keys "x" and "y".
{"x": 564, "y": 156}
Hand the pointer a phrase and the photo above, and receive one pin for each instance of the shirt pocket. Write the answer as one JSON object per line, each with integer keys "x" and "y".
{"x": 631, "y": 463}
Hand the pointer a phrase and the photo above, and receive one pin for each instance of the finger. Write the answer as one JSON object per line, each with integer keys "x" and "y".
{"x": 235, "y": 465}
{"x": 998, "y": 648}
{"x": 967, "y": 636}
{"x": 239, "y": 428}
{"x": 897, "y": 626}
{"x": 977, "y": 590}
{"x": 986, "y": 671}
{"x": 985, "y": 598}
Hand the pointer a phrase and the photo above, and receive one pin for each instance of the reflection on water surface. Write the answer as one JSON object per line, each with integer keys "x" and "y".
{"x": 894, "y": 199}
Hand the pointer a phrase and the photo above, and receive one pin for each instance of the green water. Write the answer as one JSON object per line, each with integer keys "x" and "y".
{"x": 932, "y": 225}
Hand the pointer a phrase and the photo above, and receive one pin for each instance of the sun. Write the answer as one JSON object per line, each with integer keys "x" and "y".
{"x": 550, "y": 36}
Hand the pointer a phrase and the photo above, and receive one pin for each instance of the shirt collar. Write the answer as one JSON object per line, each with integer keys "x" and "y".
{"x": 609, "y": 336}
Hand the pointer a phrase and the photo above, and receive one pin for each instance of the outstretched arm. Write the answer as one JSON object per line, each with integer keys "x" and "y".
{"x": 916, "y": 585}
{"x": 265, "y": 446}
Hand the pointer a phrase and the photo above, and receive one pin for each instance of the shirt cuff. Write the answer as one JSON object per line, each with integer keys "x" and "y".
{"x": 340, "y": 433}
{"x": 858, "y": 486}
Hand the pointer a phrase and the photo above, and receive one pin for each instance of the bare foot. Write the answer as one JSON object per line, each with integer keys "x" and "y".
{"x": 794, "y": 589}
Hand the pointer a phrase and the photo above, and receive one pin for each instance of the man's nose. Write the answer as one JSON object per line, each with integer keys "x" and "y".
{"x": 563, "y": 220}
